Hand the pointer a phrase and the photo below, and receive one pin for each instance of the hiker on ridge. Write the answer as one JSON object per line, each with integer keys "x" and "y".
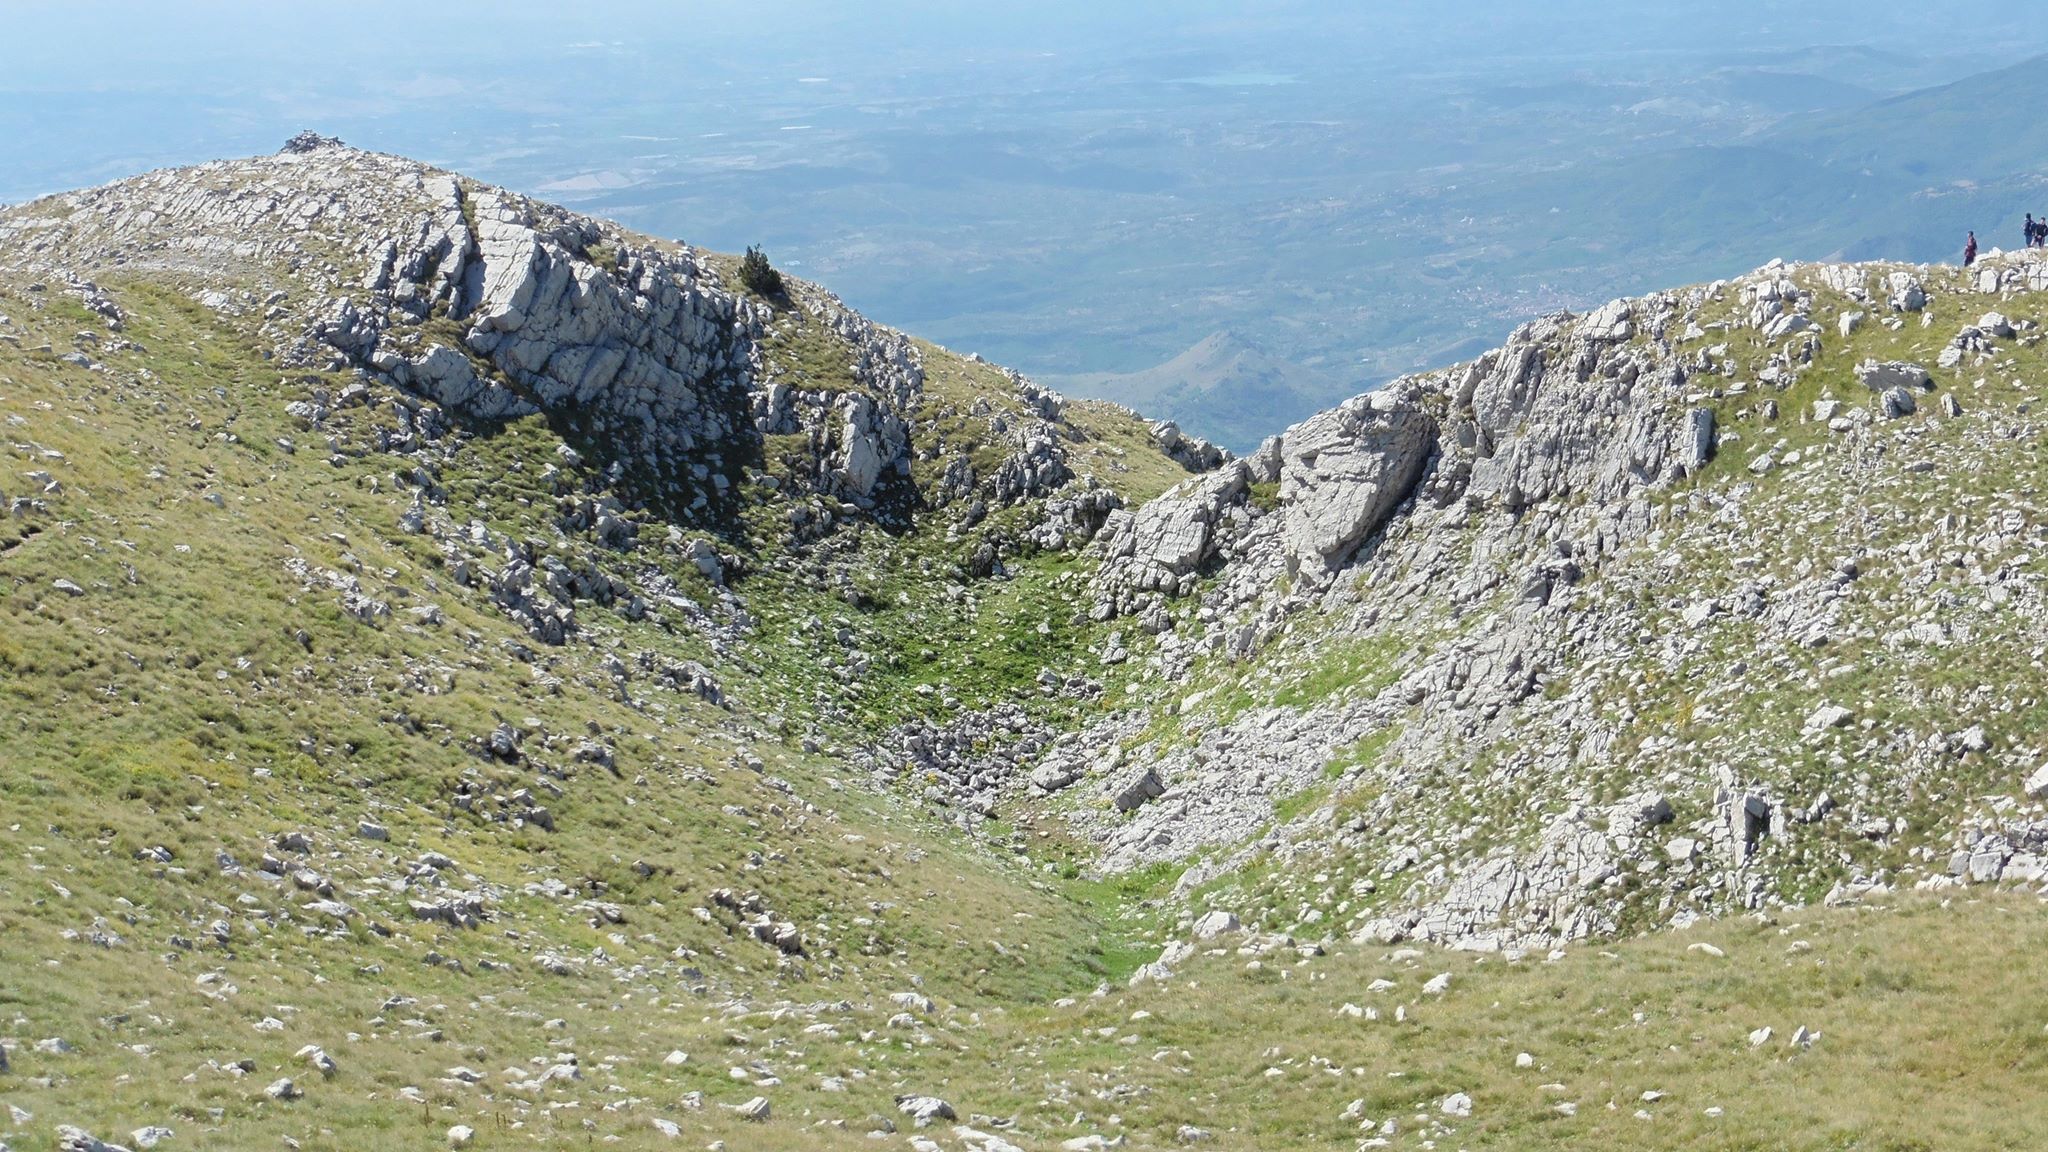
{"x": 1970, "y": 251}
{"x": 2030, "y": 229}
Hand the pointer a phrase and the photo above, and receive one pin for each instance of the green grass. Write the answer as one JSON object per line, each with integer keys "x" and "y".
{"x": 1288, "y": 809}
{"x": 1930, "y": 1028}
{"x": 807, "y": 354}
{"x": 1355, "y": 668}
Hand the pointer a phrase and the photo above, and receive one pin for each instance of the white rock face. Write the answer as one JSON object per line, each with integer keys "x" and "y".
{"x": 861, "y": 458}
{"x": 1702, "y": 438}
{"x": 1829, "y": 716}
{"x": 1214, "y": 924}
{"x": 318, "y": 1059}
{"x": 1507, "y": 487}
{"x": 1904, "y": 292}
{"x": 1137, "y": 786}
{"x": 1610, "y": 324}
{"x": 1161, "y": 544}
{"x": 1557, "y": 411}
{"x": 1055, "y": 775}
{"x": 71, "y": 1139}
{"x": 1786, "y": 325}
{"x": 925, "y": 1110}
{"x": 1342, "y": 473}
{"x": 916, "y": 1002}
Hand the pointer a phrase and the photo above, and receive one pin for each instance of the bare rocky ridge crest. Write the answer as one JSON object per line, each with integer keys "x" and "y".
{"x": 464, "y": 305}
{"x": 640, "y": 345}
{"x": 492, "y": 306}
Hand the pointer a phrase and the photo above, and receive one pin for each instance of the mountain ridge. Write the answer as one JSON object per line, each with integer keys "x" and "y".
{"x": 420, "y": 596}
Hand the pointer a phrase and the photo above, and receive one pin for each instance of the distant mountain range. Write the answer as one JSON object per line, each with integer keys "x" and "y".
{"x": 1227, "y": 388}
{"x": 1984, "y": 127}
{"x": 1899, "y": 178}
{"x": 1352, "y": 224}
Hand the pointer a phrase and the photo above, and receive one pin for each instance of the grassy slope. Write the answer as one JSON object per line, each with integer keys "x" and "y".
{"x": 1926, "y": 1012}
{"x": 1932, "y": 1029}
{"x": 172, "y": 704}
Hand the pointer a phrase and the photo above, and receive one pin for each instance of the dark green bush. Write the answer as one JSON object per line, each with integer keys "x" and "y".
{"x": 758, "y": 276}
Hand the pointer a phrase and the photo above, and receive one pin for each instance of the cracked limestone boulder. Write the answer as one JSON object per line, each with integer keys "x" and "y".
{"x": 1610, "y": 323}
{"x": 871, "y": 440}
{"x": 1136, "y": 787}
{"x": 1155, "y": 547}
{"x": 1343, "y": 472}
{"x": 1904, "y": 292}
{"x": 1887, "y": 375}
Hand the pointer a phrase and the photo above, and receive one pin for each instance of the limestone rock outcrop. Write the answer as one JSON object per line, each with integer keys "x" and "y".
{"x": 493, "y": 306}
{"x": 1343, "y": 472}
{"x": 1487, "y": 498}
{"x": 1161, "y": 544}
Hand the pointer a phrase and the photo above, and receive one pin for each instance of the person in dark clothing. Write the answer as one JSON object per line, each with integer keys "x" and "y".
{"x": 2030, "y": 229}
{"x": 1970, "y": 251}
